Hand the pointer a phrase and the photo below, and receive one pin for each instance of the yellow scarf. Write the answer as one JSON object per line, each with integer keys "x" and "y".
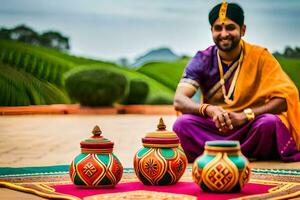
{"x": 260, "y": 79}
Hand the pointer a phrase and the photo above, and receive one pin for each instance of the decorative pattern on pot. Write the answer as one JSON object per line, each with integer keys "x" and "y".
{"x": 160, "y": 161}
{"x": 221, "y": 168}
{"x": 96, "y": 166}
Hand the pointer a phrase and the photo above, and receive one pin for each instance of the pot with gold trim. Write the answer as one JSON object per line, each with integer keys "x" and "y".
{"x": 96, "y": 165}
{"x": 160, "y": 161}
{"x": 221, "y": 168}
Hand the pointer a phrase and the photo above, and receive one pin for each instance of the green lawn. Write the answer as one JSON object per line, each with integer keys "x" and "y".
{"x": 168, "y": 73}
{"x": 292, "y": 67}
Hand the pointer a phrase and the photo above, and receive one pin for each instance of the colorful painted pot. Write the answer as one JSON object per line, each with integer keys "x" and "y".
{"x": 222, "y": 167}
{"x": 160, "y": 161}
{"x": 96, "y": 166}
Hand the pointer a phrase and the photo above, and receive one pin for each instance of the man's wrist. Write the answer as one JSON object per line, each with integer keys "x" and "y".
{"x": 209, "y": 110}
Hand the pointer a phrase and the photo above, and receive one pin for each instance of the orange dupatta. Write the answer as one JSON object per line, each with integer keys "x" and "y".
{"x": 260, "y": 79}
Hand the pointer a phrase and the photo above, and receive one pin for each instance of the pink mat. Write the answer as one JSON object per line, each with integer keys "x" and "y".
{"x": 189, "y": 188}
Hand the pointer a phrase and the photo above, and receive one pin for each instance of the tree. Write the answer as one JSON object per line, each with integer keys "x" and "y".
{"x": 277, "y": 54}
{"x": 22, "y": 33}
{"x": 5, "y": 34}
{"x": 123, "y": 62}
{"x": 55, "y": 40}
{"x": 292, "y": 53}
{"x": 297, "y": 52}
{"x": 288, "y": 52}
{"x": 25, "y": 34}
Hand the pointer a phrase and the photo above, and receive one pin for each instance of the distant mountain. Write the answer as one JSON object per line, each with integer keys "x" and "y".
{"x": 161, "y": 54}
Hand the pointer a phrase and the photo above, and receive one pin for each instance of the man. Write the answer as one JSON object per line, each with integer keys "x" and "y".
{"x": 246, "y": 96}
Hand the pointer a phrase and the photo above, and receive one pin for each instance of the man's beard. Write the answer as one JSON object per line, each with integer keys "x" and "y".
{"x": 233, "y": 44}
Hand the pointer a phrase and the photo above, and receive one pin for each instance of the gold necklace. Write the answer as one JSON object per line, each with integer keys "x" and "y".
{"x": 222, "y": 80}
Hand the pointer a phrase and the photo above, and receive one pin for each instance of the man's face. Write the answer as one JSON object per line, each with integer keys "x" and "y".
{"x": 227, "y": 35}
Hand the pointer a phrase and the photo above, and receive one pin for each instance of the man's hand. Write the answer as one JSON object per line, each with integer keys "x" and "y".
{"x": 237, "y": 118}
{"x": 225, "y": 120}
{"x": 221, "y": 118}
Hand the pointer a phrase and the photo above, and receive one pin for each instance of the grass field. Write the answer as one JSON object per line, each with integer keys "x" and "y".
{"x": 168, "y": 73}
{"x": 292, "y": 67}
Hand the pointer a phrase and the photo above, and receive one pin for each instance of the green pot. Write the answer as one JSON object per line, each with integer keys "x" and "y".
{"x": 221, "y": 168}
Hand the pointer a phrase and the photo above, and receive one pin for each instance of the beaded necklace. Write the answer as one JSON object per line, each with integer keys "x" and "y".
{"x": 233, "y": 83}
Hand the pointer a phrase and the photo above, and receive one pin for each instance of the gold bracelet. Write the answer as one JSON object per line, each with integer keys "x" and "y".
{"x": 202, "y": 109}
{"x": 249, "y": 114}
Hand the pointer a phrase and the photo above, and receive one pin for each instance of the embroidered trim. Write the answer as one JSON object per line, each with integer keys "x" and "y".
{"x": 191, "y": 82}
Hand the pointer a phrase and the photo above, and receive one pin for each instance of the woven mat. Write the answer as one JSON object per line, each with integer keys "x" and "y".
{"x": 53, "y": 182}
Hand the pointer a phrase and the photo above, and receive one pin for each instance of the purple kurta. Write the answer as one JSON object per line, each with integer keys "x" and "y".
{"x": 203, "y": 72}
{"x": 204, "y": 64}
{"x": 266, "y": 137}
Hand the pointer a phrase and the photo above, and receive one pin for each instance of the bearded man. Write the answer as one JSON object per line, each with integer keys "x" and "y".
{"x": 246, "y": 96}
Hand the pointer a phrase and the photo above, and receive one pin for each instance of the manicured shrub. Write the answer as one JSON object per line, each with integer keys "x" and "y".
{"x": 138, "y": 92}
{"x": 160, "y": 100}
{"x": 95, "y": 87}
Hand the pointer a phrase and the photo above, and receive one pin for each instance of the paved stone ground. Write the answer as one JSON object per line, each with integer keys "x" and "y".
{"x": 43, "y": 140}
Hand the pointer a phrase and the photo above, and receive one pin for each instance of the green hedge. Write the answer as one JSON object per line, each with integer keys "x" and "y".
{"x": 155, "y": 88}
{"x": 160, "y": 100}
{"x": 96, "y": 87}
{"x": 138, "y": 92}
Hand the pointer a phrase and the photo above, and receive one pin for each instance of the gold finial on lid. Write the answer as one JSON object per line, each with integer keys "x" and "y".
{"x": 96, "y": 131}
{"x": 161, "y": 125}
{"x": 223, "y": 11}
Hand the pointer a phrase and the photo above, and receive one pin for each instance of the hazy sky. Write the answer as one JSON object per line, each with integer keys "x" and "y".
{"x": 111, "y": 29}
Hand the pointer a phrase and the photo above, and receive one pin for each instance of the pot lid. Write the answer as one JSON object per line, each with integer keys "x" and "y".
{"x": 223, "y": 143}
{"x": 161, "y": 137}
{"x": 96, "y": 142}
